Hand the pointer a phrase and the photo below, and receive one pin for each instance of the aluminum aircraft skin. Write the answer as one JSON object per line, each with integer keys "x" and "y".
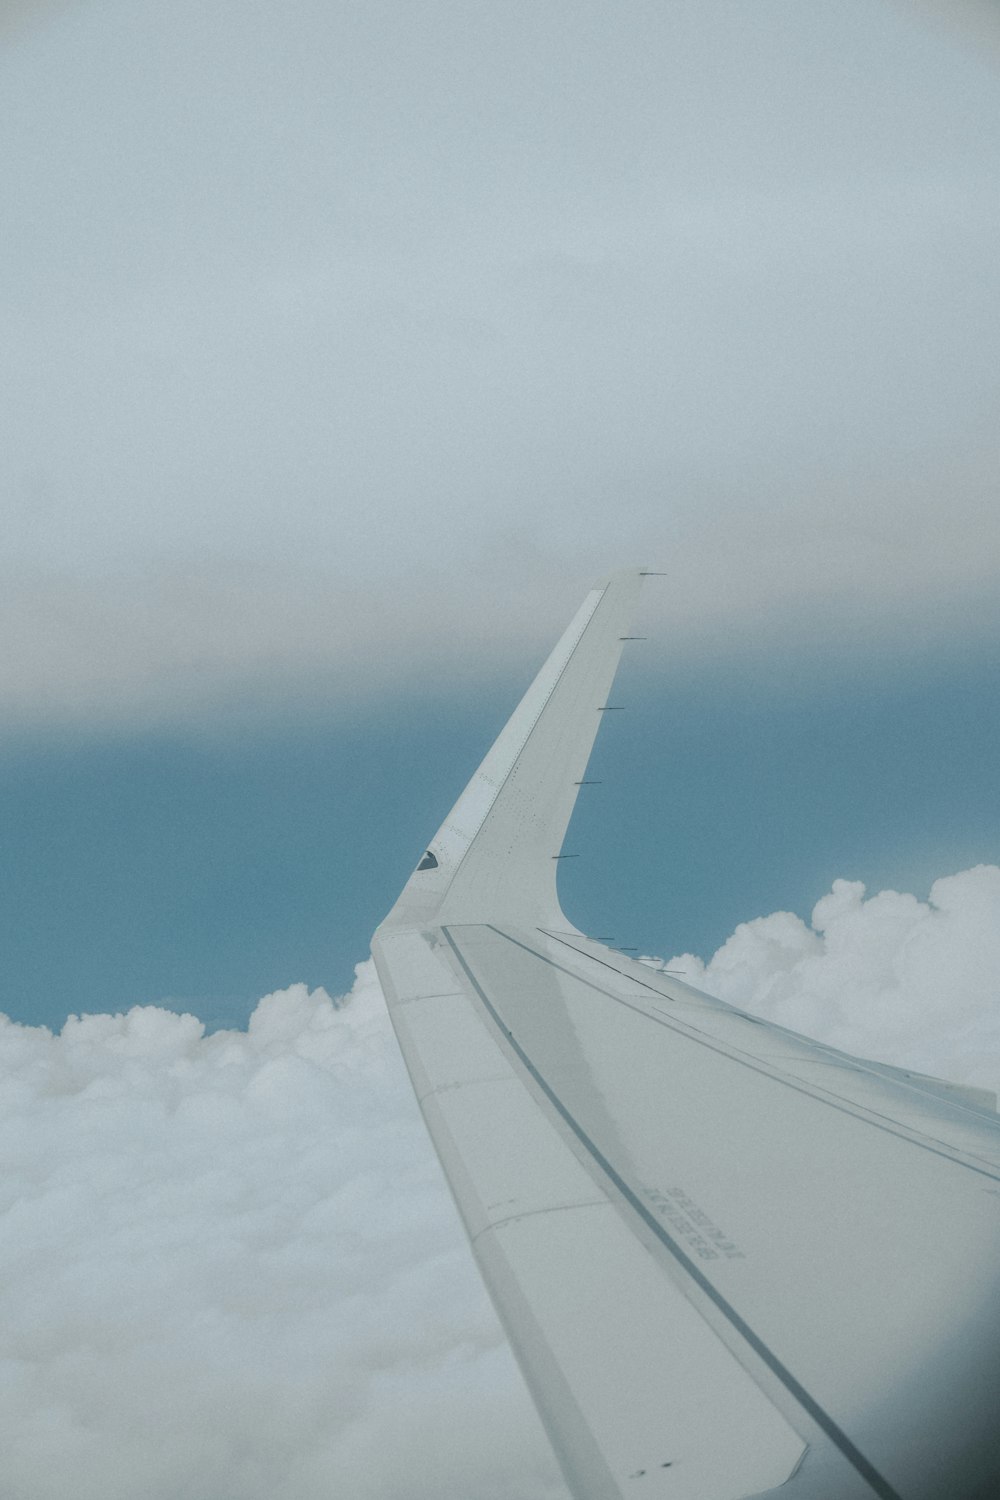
{"x": 731, "y": 1261}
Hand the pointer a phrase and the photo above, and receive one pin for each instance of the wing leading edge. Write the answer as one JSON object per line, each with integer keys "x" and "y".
{"x": 731, "y": 1261}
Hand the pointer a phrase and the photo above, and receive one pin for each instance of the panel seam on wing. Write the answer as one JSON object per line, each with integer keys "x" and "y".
{"x": 533, "y": 1213}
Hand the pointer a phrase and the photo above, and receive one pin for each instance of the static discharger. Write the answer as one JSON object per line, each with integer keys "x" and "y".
{"x": 612, "y": 708}
{"x": 588, "y": 783}
{"x": 565, "y": 856}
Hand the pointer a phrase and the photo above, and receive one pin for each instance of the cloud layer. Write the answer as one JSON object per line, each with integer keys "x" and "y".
{"x": 905, "y": 981}
{"x": 231, "y": 1271}
{"x": 468, "y": 304}
{"x": 229, "y": 1267}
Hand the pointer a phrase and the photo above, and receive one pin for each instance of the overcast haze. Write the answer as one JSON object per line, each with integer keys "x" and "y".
{"x": 334, "y": 334}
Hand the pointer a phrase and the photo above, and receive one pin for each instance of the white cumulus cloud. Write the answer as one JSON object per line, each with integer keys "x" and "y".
{"x": 906, "y": 981}
{"x": 231, "y": 1271}
{"x": 229, "y": 1268}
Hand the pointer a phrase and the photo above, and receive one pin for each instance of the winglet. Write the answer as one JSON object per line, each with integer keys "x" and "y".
{"x": 494, "y": 851}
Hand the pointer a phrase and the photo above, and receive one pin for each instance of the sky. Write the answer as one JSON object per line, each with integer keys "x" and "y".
{"x": 342, "y": 348}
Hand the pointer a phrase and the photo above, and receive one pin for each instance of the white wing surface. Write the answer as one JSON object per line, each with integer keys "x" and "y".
{"x": 731, "y": 1261}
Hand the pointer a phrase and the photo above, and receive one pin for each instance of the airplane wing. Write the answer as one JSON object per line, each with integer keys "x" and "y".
{"x": 730, "y": 1261}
